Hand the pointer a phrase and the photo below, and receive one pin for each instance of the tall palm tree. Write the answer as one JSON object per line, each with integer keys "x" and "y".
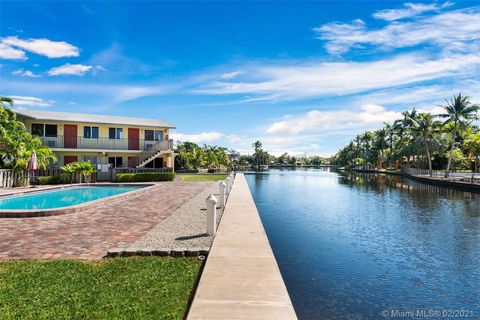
{"x": 459, "y": 110}
{"x": 4, "y": 100}
{"x": 426, "y": 128}
{"x": 197, "y": 157}
{"x": 366, "y": 139}
{"x": 259, "y": 155}
{"x": 472, "y": 145}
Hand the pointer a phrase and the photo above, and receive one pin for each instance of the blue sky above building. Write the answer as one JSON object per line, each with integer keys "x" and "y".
{"x": 303, "y": 77}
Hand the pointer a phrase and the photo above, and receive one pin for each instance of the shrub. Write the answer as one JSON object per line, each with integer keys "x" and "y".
{"x": 83, "y": 168}
{"x": 22, "y": 182}
{"x": 145, "y": 177}
{"x": 49, "y": 180}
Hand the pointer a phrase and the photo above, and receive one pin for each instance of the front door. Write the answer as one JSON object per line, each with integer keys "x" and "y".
{"x": 132, "y": 162}
{"x": 69, "y": 159}
{"x": 70, "y": 136}
{"x": 133, "y": 139}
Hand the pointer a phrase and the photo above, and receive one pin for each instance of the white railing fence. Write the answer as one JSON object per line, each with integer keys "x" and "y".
{"x": 11, "y": 178}
{"x": 441, "y": 173}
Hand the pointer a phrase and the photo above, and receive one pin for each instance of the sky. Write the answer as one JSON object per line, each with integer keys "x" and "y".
{"x": 302, "y": 77}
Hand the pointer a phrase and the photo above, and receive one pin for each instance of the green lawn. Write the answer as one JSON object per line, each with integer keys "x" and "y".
{"x": 120, "y": 288}
{"x": 203, "y": 177}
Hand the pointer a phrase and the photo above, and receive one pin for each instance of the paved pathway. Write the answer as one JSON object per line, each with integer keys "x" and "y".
{"x": 90, "y": 233}
{"x": 185, "y": 228}
{"x": 241, "y": 279}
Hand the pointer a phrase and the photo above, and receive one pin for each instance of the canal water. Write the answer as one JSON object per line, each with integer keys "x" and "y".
{"x": 365, "y": 246}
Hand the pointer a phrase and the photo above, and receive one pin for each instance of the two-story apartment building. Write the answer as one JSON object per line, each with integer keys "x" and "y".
{"x": 102, "y": 140}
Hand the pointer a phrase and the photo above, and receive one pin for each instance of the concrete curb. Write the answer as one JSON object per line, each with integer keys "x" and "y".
{"x": 161, "y": 252}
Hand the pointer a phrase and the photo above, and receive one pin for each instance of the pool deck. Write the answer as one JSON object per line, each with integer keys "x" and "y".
{"x": 241, "y": 278}
{"x": 90, "y": 233}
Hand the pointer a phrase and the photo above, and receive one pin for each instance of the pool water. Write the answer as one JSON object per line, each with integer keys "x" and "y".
{"x": 60, "y": 198}
{"x": 350, "y": 246}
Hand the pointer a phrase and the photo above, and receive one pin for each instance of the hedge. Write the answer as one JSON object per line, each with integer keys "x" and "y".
{"x": 145, "y": 177}
{"x": 49, "y": 180}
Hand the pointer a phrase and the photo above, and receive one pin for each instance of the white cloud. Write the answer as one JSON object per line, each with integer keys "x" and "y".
{"x": 440, "y": 30}
{"x": 294, "y": 80}
{"x": 25, "y": 73}
{"x": 197, "y": 138}
{"x": 409, "y": 10}
{"x": 9, "y": 53}
{"x": 112, "y": 93}
{"x": 45, "y": 47}
{"x": 424, "y": 95}
{"x": 233, "y": 138}
{"x": 368, "y": 117}
{"x": 70, "y": 69}
{"x": 231, "y": 75}
{"x": 30, "y": 101}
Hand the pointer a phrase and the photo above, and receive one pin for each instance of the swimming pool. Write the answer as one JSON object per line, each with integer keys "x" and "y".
{"x": 63, "y": 197}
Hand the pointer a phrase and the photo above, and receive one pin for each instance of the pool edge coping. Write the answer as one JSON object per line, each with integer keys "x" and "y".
{"x": 32, "y": 213}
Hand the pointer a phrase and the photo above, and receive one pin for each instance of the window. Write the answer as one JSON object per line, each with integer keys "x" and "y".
{"x": 149, "y": 134}
{"x": 44, "y": 130}
{"x": 50, "y": 130}
{"x": 37, "y": 129}
{"x": 93, "y": 160}
{"x": 115, "y": 133}
{"x": 158, "y": 135}
{"x": 90, "y": 132}
{"x": 154, "y": 135}
{"x": 115, "y": 161}
{"x": 155, "y": 163}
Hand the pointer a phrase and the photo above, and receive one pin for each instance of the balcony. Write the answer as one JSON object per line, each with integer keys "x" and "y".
{"x": 61, "y": 142}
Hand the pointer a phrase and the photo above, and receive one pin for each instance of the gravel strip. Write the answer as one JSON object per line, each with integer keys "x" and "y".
{"x": 185, "y": 228}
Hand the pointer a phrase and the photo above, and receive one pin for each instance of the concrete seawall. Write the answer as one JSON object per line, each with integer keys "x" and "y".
{"x": 241, "y": 279}
{"x": 457, "y": 185}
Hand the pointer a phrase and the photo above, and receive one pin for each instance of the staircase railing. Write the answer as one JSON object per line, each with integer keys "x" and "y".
{"x": 156, "y": 147}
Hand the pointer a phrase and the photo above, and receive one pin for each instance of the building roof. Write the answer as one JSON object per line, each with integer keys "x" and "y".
{"x": 92, "y": 118}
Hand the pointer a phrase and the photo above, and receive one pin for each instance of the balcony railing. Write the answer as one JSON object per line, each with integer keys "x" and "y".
{"x": 106, "y": 143}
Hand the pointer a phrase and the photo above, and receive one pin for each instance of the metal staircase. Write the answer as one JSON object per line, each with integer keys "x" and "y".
{"x": 154, "y": 151}
{"x": 151, "y": 158}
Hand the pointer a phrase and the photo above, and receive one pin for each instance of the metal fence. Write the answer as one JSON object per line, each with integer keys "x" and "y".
{"x": 106, "y": 143}
{"x": 453, "y": 175}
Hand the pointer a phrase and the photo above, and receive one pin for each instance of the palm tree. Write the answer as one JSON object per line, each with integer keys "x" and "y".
{"x": 259, "y": 156}
{"x": 379, "y": 147}
{"x": 426, "y": 128}
{"x": 4, "y": 100}
{"x": 17, "y": 144}
{"x": 222, "y": 156}
{"x": 366, "y": 139}
{"x": 472, "y": 144}
{"x": 459, "y": 110}
{"x": 197, "y": 157}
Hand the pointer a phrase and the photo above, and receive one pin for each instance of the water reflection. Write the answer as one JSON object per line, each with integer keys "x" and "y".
{"x": 352, "y": 245}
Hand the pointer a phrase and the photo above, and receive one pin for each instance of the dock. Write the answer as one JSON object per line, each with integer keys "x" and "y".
{"x": 241, "y": 278}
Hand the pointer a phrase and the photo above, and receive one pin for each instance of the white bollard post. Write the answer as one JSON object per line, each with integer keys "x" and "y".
{"x": 228, "y": 185}
{"x": 211, "y": 215}
{"x": 223, "y": 192}
{"x": 231, "y": 181}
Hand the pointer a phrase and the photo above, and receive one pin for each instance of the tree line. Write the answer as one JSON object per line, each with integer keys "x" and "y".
{"x": 191, "y": 156}
{"x": 450, "y": 140}
{"x": 261, "y": 157}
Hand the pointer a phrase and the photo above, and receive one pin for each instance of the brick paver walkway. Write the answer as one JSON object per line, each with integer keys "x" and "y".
{"x": 90, "y": 233}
